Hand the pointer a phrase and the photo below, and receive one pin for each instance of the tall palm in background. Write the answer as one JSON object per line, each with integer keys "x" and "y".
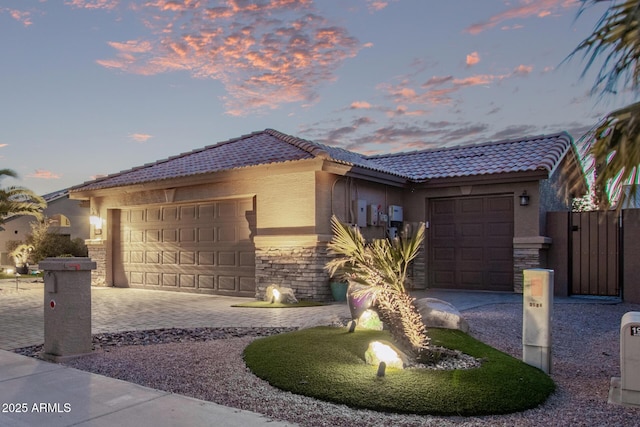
{"x": 19, "y": 200}
{"x": 614, "y": 143}
{"x": 383, "y": 267}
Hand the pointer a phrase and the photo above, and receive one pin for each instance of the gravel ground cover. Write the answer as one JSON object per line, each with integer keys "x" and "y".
{"x": 210, "y": 367}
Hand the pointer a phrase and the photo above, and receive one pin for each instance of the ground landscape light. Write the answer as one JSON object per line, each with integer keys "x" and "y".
{"x": 276, "y": 296}
{"x": 386, "y": 354}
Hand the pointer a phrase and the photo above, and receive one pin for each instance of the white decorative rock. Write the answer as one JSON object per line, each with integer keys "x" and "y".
{"x": 384, "y": 351}
{"x": 437, "y": 313}
{"x": 286, "y": 295}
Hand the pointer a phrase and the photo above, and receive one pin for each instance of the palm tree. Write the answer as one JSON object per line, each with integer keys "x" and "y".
{"x": 19, "y": 200}
{"x": 614, "y": 143}
{"x": 383, "y": 267}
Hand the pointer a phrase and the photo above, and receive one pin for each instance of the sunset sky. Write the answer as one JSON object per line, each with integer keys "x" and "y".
{"x": 92, "y": 87}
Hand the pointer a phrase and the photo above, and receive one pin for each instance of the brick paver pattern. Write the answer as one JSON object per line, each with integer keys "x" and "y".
{"x": 127, "y": 309}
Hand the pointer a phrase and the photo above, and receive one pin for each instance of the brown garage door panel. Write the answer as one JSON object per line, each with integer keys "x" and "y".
{"x": 204, "y": 247}
{"x": 471, "y": 243}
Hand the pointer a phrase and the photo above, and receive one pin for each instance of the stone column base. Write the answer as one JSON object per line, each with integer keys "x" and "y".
{"x": 528, "y": 252}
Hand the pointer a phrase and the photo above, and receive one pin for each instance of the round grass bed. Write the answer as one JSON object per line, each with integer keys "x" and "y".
{"x": 328, "y": 364}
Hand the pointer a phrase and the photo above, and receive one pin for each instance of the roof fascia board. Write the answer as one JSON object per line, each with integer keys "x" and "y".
{"x": 362, "y": 173}
{"x": 506, "y": 178}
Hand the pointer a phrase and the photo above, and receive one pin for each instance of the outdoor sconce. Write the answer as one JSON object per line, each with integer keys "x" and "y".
{"x": 524, "y": 199}
{"x": 96, "y": 221}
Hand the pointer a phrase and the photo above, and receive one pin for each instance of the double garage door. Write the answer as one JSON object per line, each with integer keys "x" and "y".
{"x": 471, "y": 243}
{"x": 202, "y": 247}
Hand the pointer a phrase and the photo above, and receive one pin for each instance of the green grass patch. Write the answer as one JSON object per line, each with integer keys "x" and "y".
{"x": 4, "y": 275}
{"x": 267, "y": 304}
{"x": 328, "y": 364}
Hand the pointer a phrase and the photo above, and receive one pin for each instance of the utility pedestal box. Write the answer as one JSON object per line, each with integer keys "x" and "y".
{"x": 536, "y": 318}
{"x": 67, "y": 307}
{"x": 625, "y": 390}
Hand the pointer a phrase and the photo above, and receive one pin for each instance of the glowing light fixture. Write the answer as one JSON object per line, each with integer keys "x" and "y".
{"x": 277, "y": 296}
{"x": 524, "y": 199}
{"x": 96, "y": 221}
{"x": 384, "y": 353}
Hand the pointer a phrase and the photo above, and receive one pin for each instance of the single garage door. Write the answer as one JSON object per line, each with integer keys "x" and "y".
{"x": 202, "y": 247}
{"x": 471, "y": 243}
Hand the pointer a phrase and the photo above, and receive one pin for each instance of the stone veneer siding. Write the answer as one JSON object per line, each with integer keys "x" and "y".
{"x": 525, "y": 258}
{"x": 300, "y": 268}
{"x": 98, "y": 253}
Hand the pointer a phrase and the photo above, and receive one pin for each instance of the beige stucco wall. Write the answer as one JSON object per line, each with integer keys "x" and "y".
{"x": 284, "y": 195}
{"x": 335, "y": 195}
{"x": 526, "y": 221}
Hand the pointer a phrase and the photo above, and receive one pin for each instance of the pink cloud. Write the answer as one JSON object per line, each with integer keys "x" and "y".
{"x": 473, "y": 58}
{"x": 376, "y": 5}
{"x": 403, "y": 110}
{"x": 140, "y": 137}
{"x": 22, "y": 16}
{"x": 437, "y": 81}
{"x": 523, "y": 70}
{"x": 44, "y": 174}
{"x": 511, "y": 27}
{"x": 265, "y": 54}
{"x": 439, "y": 90}
{"x": 477, "y": 80}
{"x": 526, "y": 9}
{"x": 92, "y": 4}
{"x": 356, "y": 105}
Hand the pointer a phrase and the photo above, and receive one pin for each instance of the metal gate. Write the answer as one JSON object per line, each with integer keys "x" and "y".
{"x": 594, "y": 245}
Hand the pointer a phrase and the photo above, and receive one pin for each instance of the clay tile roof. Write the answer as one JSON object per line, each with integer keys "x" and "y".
{"x": 258, "y": 148}
{"x": 270, "y": 146}
{"x": 529, "y": 154}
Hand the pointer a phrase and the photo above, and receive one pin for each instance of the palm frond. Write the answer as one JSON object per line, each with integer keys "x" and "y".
{"x": 617, "y": 39}
{"x": 614, "y": 147}
{"x": 17, "y": 200}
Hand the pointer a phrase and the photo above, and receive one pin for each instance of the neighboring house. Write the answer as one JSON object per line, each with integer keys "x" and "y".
{"x": 66, "y": 216}
{"x": 235, "y": 217}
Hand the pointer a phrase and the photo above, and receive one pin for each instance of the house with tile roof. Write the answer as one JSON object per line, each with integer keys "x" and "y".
{"x": 234, "y": 217}
{"x": 67, "y": 217}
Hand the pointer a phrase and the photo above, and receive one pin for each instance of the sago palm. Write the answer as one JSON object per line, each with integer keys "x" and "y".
{"x": 382, "y": 266}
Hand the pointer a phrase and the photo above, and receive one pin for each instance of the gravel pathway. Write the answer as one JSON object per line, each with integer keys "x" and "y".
{"x": 585, "y": 357}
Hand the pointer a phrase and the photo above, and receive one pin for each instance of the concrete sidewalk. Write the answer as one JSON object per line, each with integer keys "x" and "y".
{"x": 37, "y": 393}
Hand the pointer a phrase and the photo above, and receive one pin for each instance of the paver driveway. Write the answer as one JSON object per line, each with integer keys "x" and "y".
{"x": 125, "y": 309}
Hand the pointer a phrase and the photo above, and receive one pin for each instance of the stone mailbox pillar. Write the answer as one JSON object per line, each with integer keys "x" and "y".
{"x": 67, "y": 307}
{"x": 536, "y": 318}
{"x": 625, "y": 390}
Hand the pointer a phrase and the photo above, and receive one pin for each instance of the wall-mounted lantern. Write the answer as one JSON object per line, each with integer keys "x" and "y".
{"x": 524, "y": 199}
{"x": 96, "y": 221}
